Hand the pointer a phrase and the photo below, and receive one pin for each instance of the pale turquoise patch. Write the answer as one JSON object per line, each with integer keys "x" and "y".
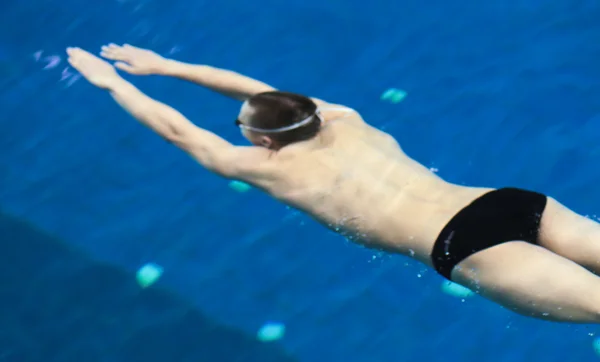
{"x": 148, "y": 274}
{"x": 456, "y": 290}
{"x": 271, "y": 332}
{"x": 393, "y": 95}
{"x": 596, "y": 345}
{"x": 239, "y": 186}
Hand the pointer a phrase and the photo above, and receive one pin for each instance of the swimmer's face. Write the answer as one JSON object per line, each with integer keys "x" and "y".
{"x": 255, "y": 138}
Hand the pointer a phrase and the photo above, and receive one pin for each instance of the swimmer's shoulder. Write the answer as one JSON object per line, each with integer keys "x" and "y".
{"x": 257, "y": 166}
{"x": 266, "y": 169}
{"x": 332, "y": 111}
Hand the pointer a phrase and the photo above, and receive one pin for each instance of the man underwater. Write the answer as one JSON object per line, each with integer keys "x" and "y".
{"x": 519, "y": 248}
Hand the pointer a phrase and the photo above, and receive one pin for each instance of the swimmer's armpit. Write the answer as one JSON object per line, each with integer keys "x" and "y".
{"x": 226, "y": 82}
{"x": 210, "y": 150}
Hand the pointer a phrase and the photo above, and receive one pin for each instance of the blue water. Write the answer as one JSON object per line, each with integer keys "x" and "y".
{"x": 499, "y": 93}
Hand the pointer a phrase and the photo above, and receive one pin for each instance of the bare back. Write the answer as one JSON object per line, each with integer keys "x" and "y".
{"x": 357, "y": 181}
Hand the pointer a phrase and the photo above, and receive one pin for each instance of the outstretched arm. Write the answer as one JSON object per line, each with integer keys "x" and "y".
{"x": 210, "y": 150}
{"x": 143, "y": 61}
{"x": 224, "y": 81}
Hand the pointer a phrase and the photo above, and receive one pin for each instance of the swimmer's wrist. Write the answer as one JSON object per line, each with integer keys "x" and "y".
{"x": 186, "y": 71}
{"x": 171, "y": 68}
{"x": 118, "y": 84}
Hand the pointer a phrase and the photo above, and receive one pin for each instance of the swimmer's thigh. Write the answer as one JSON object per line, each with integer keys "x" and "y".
{"x": 532, "y": 281}
{"x": 571, "y": 235}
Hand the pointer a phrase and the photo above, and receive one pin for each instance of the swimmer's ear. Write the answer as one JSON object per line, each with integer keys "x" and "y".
{"x": 266, "y": 141}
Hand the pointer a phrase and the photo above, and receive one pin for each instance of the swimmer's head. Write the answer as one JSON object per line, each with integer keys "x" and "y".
{"x": 277, "y": 119}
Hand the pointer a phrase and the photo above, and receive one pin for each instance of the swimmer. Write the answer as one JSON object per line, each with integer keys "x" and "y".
{"x": 519, "y": 248}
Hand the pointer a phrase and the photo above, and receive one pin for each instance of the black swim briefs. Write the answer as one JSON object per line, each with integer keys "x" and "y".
{"x": 499, "y": 216}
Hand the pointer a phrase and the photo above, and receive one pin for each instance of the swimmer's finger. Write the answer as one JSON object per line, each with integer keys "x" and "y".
{"x": 108, "y": 51}
{"x": 75, "y": 52}
{"x": 125, "y": 67}
{"x": 74, "y": 63}
{"x": 114, "y": 52}
{"x": 113, "y": 55}
{"x": 107, "y": 54}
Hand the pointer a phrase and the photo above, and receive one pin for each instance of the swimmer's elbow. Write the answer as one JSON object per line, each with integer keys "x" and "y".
{"x": 209, "y": 150}
{"x": 221, "y": 163}
{"x": 215, "y": 161}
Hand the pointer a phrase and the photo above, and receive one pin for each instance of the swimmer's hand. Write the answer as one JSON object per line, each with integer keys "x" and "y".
{"x": 143, "y": 61}
{"x": 134, "y": 60}
{"x": 96, "y": 70}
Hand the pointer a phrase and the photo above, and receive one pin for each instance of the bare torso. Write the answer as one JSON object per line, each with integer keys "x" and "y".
{"x": 357, "y": 181}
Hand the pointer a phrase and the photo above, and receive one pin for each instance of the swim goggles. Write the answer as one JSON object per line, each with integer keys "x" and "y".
{"x": 296, "y": 125}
